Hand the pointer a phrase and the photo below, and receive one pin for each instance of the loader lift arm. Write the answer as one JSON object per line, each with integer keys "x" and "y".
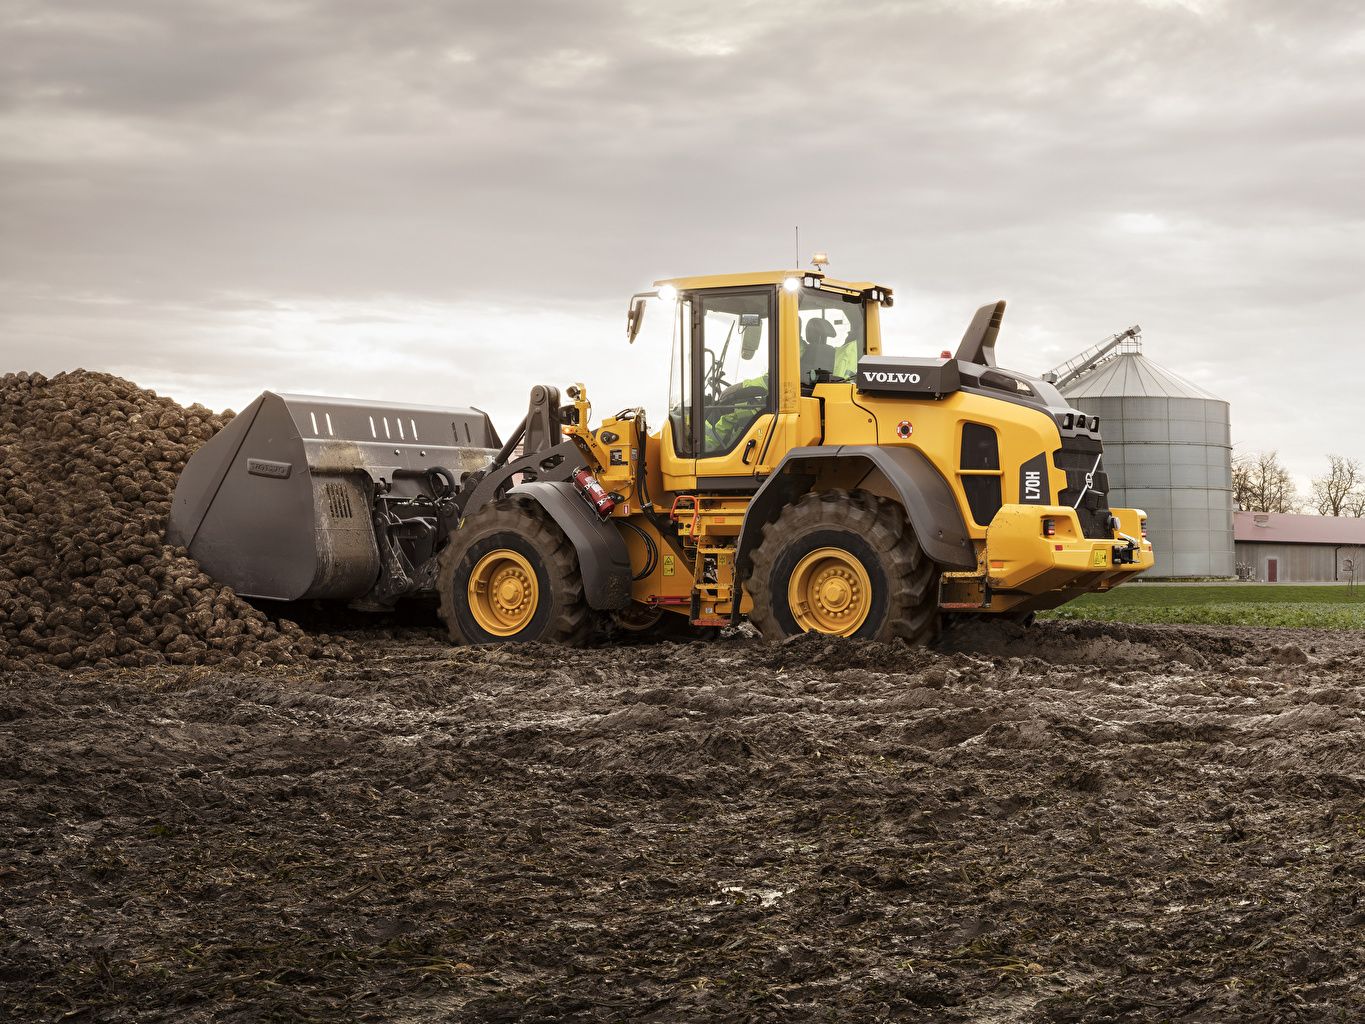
{"x": 546, "y": 467}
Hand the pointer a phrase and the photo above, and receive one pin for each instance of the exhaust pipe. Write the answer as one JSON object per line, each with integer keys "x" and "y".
{"x": 303, "y": 497}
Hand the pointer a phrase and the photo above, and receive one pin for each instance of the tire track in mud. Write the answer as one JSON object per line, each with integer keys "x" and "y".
{"x": 1078, "y": 822}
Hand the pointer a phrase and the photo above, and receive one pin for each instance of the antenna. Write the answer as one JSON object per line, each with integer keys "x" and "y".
{"x": 797, "y": 262}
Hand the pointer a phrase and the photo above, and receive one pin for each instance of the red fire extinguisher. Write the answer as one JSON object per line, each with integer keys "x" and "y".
{"x": 594, "y": 492}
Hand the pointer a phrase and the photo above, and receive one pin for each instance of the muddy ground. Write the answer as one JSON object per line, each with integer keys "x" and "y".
{"x": 1077, "y": 823}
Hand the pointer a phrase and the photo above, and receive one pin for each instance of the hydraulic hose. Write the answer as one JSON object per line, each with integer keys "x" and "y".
{"x": 651, "y": 550}
{"x": 641, "y": 469}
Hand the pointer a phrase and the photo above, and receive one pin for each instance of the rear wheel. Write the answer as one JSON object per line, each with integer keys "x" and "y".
{"x": 509, "y": 574}
{"x": 844, "y": 564}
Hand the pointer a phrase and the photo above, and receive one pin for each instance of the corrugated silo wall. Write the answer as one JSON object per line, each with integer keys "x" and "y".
{"x": 1172, "y": 457}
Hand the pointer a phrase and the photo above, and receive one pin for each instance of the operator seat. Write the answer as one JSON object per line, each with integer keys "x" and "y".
{"x": 817, "y": 353}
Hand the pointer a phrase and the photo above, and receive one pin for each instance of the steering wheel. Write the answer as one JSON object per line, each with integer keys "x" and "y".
{"x": 737, "y": 393}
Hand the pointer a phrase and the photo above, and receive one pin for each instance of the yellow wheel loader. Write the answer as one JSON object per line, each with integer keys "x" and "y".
{"x": 801, "y": 479}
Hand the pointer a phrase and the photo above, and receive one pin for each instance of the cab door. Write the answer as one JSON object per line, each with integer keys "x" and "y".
{"x": 734, "y": 383}
{"x": 677, "y": 443}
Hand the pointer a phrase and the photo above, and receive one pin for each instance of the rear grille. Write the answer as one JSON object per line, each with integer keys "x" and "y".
{"x": 981, "y": 451}
{"x": 1076, "y": 458}
{"x": 983, "y": 497}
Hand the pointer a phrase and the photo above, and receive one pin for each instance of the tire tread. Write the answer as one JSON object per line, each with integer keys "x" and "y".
{"x": 573, "y": 623}
{"x": 912, "y": 614}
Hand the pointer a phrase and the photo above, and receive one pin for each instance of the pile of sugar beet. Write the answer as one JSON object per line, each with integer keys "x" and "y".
{"x": 88, "y": 465}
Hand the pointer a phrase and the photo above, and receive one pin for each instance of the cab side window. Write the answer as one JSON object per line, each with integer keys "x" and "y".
{"x": 833, "y": 335}
{"x": 735, "y": 365}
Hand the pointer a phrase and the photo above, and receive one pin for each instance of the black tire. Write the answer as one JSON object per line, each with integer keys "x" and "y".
{"x": 903, "y": 580}
{"x": 518, "y": 525}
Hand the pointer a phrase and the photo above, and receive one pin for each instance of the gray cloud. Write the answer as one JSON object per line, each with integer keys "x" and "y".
{"x": 460, "y": 167}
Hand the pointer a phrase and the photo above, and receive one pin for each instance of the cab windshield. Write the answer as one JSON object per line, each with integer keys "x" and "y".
{"x": 833, "y": 335}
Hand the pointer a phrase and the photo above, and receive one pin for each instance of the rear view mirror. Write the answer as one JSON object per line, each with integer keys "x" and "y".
{"x": 635, "y": 316}
{"x": 749, "y": 338}
{"x": 750, "y": 334}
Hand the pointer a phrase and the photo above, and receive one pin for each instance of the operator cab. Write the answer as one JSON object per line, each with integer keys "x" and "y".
{"x": 747, "y": 353}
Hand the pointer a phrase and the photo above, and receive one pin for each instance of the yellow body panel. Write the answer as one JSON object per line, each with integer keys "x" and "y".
{"x": 750, "y": 446}
{"x": 679, "y": 474}
{"x": 848, "y": 418}
{"x": 1020, "y": 558}
{"x": 798, "y": 429}
{"x": 936, "y": 431}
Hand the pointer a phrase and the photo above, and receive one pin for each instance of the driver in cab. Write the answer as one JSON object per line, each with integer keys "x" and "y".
{"x": 733, "y": 415}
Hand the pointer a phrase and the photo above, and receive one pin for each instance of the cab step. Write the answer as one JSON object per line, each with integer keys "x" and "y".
{"x": 964, "y": 591}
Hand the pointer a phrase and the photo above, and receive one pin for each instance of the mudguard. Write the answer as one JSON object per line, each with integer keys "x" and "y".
{"x": 602, "y": 555}
{"x": 928, "y": 500}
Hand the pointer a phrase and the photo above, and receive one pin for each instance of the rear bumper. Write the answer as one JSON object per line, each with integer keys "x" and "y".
{"x": 1021, "y": 559}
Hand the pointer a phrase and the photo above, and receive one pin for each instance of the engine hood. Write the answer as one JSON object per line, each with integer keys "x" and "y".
{"x": 932, "y": 378}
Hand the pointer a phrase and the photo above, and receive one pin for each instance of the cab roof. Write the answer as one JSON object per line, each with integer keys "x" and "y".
{"x": 762, "y": 277}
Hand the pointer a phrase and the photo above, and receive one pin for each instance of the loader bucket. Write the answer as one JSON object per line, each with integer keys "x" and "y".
{"x": 278, "y": 504}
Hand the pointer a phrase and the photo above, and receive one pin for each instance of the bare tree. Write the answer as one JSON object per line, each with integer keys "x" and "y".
{"x": 1339, "y": 493}
{"x": 1241, "y": 482}
{"x": 1261, "y": 484}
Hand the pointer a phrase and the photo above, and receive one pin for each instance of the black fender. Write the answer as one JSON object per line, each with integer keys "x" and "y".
{"x": 553, "y": 464}
{"x": 929, "y": 503}
{"x": 602, "y": 555}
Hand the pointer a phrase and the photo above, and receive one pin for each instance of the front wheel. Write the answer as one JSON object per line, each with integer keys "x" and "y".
{"x": 509, "y": 574}
{"x": 844, "y": 564}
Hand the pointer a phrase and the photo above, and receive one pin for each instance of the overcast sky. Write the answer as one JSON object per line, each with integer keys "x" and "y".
{"x": 443, "y": 202}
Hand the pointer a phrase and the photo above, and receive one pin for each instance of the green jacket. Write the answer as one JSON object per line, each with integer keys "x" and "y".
{"x": 722, "y": 433}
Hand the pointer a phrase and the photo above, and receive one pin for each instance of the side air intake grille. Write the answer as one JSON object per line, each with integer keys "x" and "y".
{"x": 981, "y": 453}
{"x": 338, "y": 501}
{"x": 983, "y": 497}
{"x": 980, "y": 450}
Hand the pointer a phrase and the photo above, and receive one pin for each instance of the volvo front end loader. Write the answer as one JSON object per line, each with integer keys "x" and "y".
{"x": 801, "y": 479}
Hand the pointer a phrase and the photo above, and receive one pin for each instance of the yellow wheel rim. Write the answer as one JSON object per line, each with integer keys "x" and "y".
{"x": 503, "y": 593}
{"x": 829, "y": 592}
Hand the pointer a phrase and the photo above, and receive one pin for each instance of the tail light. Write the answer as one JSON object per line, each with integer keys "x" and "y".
{"x": 1144, "y": 527}
{"x": 1049, "y": 527}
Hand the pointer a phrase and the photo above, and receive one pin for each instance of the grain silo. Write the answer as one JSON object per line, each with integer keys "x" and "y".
{"x": 1167, "y": 449}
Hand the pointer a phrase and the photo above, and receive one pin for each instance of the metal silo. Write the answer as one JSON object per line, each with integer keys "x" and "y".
{"x": 1167, "y": 449}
